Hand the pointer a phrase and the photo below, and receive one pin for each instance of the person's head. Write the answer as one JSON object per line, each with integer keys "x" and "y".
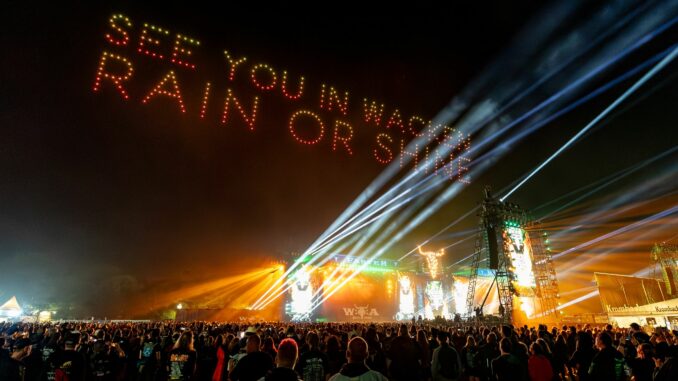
{"x": 71, "y": 340}
{"x": 536, "y": 349}
{"x": 403, "y": 330}
{"x": 544, "y": 345}
{"x": 219, "y": 341}
{"x": 505, "y": 346}
{"x": 357, "y": 351}
{"x": 603, "y": 340}
{"x": 635, "y": 327}
{"x": 645, "y": 351}
{"x": 253, "y": 343}
{"x": 421, "y": 337}
{"x": 661, "y": 351}
{"x": 287, "y": 354}
{"x": 332, "y": 344}
{"x": 185, "y": 341}
{"x": 442, "y": 337}
{"x": 269, "y": 345}
{"x": 312, "y": 340}
{"x": 506, "y": 331}
{"x": 21, "y": 347}
{"x": 470, "y": 341}
{"x": 491, "y": 338}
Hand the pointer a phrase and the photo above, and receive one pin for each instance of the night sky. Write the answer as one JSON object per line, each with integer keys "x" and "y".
{"x": 100, "y": 194}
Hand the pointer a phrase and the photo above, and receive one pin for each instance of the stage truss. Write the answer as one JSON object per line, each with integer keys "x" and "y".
{"x": 523, "y": 267}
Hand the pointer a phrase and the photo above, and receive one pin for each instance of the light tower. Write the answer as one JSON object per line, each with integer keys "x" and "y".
{"x": 517, "y": 253}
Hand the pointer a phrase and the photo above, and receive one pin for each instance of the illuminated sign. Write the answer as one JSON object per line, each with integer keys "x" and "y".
{"x": 357, "y": 261}
{"x": 432, "y": 261}
{"x": 360, "y": 312}
{"x": 322, "y": 114}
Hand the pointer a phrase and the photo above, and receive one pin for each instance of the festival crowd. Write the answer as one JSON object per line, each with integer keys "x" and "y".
{"x": 424, "y": 351}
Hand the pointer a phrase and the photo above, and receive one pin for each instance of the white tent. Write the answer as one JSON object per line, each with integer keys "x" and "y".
{"x": 10, "y": 308}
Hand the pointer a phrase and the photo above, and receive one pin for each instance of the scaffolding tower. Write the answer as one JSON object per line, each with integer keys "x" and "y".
{"x": 495, "y": 216}
{"x": 547, "y": 290}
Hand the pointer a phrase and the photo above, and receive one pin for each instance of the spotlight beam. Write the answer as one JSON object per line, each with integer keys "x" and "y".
{"x": 621, "y": 230}
{"x": 665, "y": 61}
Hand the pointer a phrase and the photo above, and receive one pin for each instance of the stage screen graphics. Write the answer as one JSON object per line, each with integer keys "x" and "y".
{"x": 301, "y": 293}
{"x": 406, "y": 292}
{"x": 435, "y": 300}
{"x": 517, "y": 244}
{"x": 367, "y": 297}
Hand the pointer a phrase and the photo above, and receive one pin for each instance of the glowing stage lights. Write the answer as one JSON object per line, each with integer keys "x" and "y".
{"x": 432, "y": 261}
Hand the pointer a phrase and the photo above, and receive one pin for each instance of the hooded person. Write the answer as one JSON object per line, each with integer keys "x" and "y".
{"x": 356, "y": 369}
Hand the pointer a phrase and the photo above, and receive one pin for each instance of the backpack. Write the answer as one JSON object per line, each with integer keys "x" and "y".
{"x": 449, "y": 365}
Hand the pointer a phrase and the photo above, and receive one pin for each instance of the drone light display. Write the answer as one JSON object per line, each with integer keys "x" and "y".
{"x": 333, "y": 116}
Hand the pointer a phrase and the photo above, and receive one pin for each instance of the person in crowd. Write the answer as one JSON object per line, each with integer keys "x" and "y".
{"x": 559, "y": 356}
{"x": 14, "y": 366}
{"x": 445, "y": 362}
{"x": 268, "y": 346}
{"x": 335, "y": 356}
{"x": 508, "y": 367}
{"x": 356, "y": 369}
{"x": 288, "y": 352}
{"x": 666, "y": 368}
{"x": 313, "y": 364}
{"x": 219, "y": 373}
{"x": 488, "y": 352}
{"x": 538, "y": 366}
{"x": 403, "y": 357}
{"x": 255, "y": 364}
{"x": 182, "y": 359}
{"x": 470, "y": 359}
{"x": 425, "y": 355}
{"x": 129, "y": 351}
{"x": 105, "y": 360}
{"x": 149, "y": 356}
{"x": 608, "y": 363}
{"x": 642, "y": 366}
